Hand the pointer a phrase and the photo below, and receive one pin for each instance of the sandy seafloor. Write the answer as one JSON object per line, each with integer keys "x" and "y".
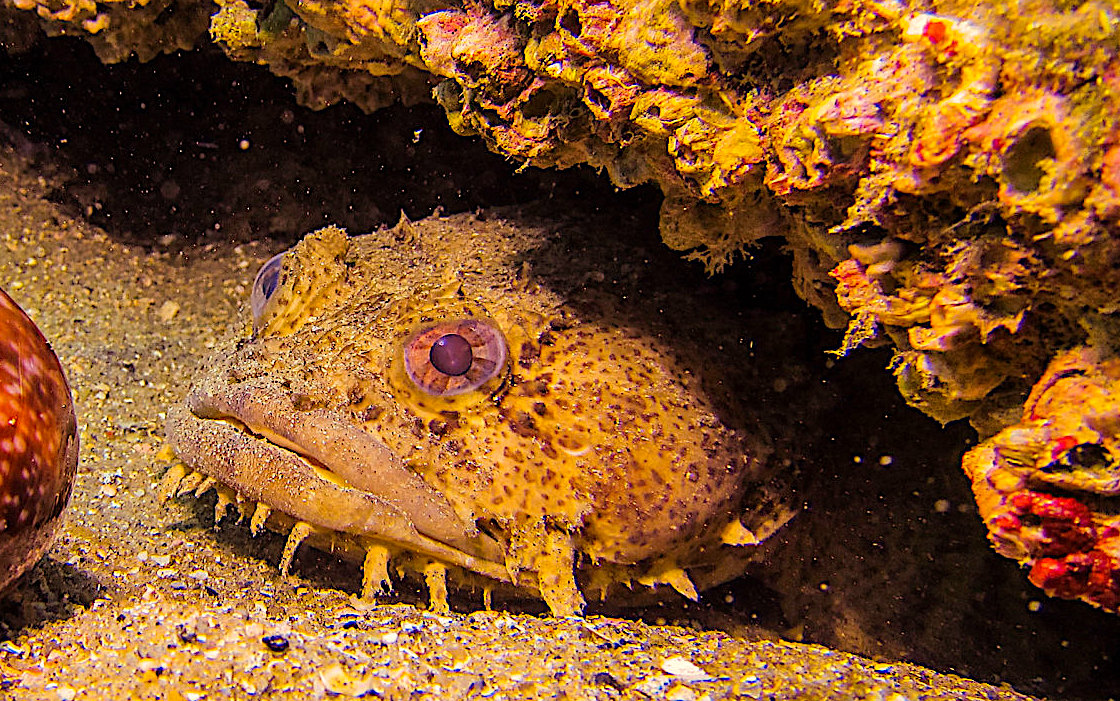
{"x": 140, "y": 600}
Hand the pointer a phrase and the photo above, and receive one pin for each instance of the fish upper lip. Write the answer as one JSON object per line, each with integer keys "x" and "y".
{"x": 355, "y": 458}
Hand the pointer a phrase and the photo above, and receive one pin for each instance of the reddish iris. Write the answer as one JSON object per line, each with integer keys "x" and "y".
{"x": 455, "y": 356}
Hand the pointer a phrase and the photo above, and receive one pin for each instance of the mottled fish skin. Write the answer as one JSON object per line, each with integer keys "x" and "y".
{"x": 38, "y": 442}
{"x": 576, "y": 452}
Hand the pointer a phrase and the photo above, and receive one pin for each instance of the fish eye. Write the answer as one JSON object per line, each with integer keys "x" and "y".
{"x": 454, "y": 357}
{"x": 268, "y": 277}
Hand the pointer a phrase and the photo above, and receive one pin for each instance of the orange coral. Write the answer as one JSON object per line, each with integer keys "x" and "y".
{"x": 1028, "y": 144}
{"x": 1046, "y": 485}
{"x": 953, "y": 40}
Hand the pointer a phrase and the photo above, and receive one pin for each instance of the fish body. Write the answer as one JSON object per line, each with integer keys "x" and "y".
{"x": 38, "y": 442}
{"x": 482, "y": 396}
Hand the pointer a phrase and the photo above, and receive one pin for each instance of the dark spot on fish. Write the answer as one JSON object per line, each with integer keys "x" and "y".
{"x": 437, "y": 427}
{"x": 521, "y": 423}
{"x": 304, "y": 402}
{"x": 529, "y": 355}
{"x": 1086, "y": 456}
{"x": 371, "y": 412}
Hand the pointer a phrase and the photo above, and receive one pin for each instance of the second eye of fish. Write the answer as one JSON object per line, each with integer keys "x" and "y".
{"x": 264, "y": 285}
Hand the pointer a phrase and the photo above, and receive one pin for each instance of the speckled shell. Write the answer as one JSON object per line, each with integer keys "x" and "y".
{"x": 38, "y": 442}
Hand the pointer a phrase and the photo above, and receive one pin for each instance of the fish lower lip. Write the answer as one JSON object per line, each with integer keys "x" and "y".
{"x": 368, "y": 489}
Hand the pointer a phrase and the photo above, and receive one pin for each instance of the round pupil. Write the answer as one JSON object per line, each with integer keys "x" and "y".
{"x": 451, "y": 354}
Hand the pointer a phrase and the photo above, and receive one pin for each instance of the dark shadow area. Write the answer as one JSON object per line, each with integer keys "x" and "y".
{"x": 193, "y": 146}
{"x": 889, "y": 556}
{"x": 50, "y": 591}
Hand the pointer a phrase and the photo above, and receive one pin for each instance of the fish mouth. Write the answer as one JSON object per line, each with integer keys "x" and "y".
{"x": 318, "y": 467}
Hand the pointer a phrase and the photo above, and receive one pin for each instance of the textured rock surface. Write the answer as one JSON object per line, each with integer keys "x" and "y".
{"x": 117, "y": 29}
